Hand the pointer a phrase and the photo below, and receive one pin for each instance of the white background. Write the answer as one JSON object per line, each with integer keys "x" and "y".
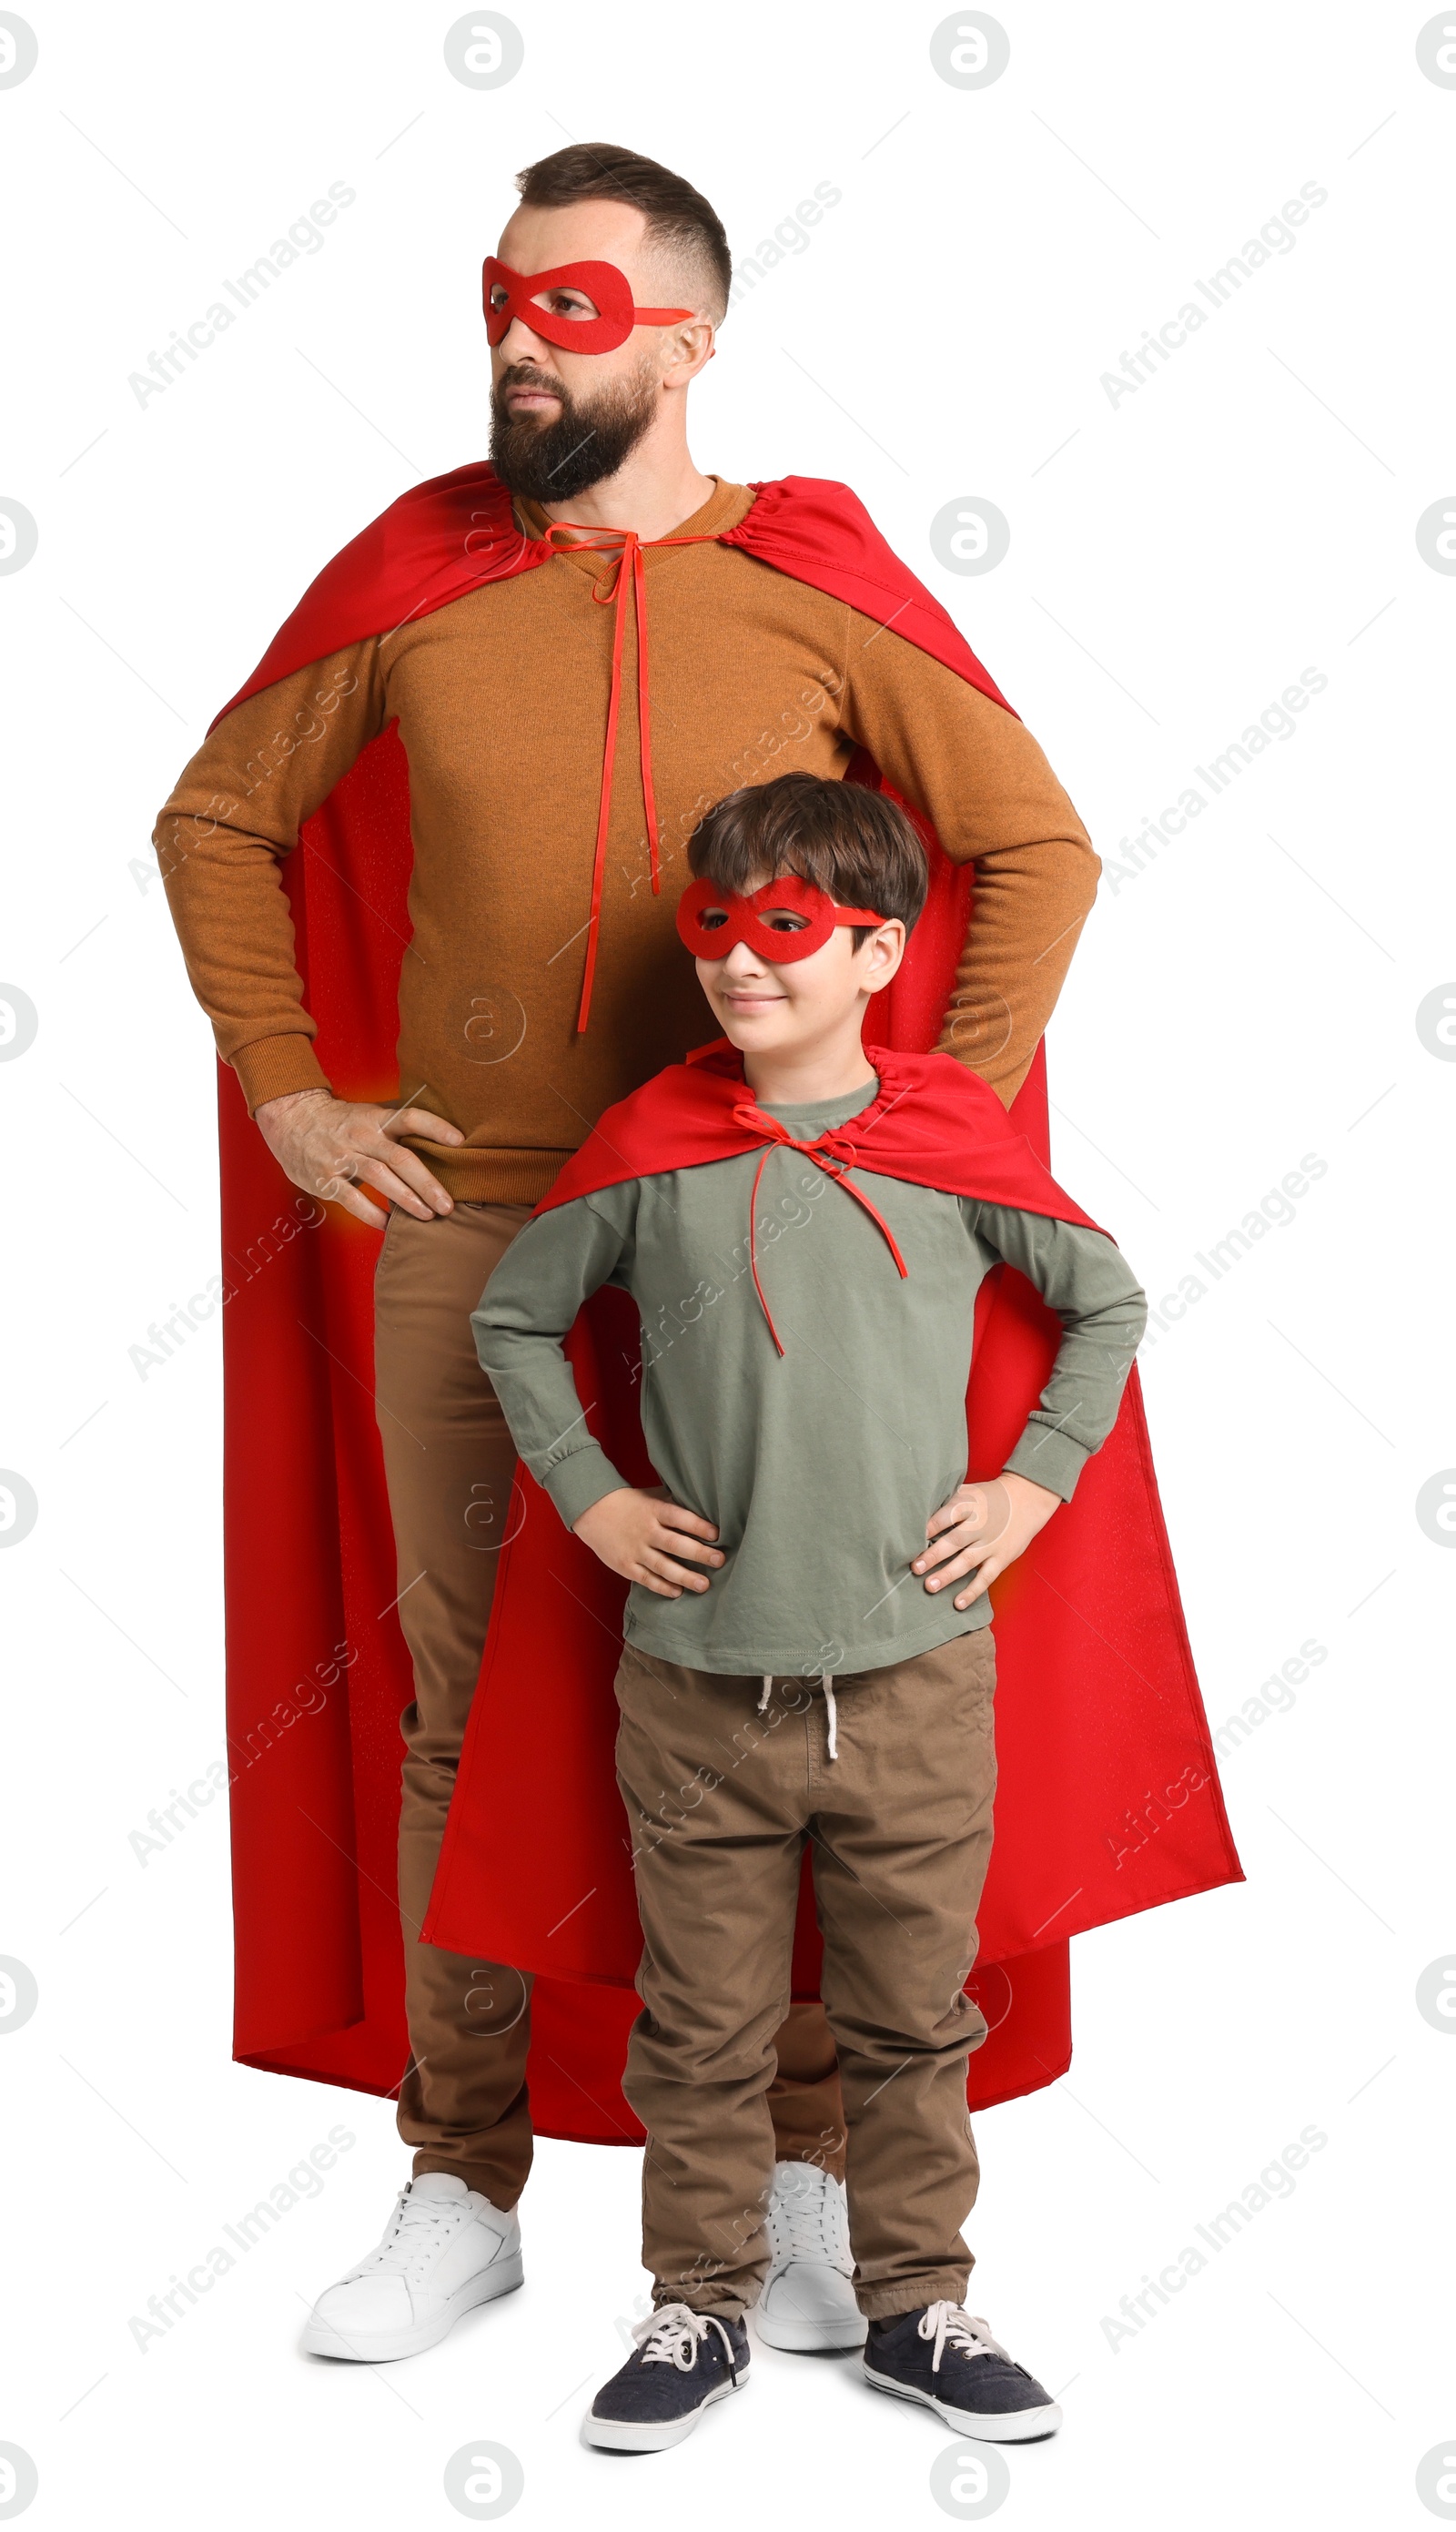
{"x": 1177, "y": 558}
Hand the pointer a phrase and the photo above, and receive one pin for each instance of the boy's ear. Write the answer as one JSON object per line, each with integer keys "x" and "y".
{"x": 883, "y": 953}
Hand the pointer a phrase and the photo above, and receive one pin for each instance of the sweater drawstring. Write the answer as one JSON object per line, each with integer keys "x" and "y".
{"x": 767, "y": 1691}
{"x": 628, "y": 582}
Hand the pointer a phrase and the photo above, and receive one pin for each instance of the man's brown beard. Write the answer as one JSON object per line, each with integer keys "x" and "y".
{"x": 554, "y": 461}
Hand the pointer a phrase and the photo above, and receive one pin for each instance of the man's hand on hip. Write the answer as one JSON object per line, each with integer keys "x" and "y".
{"x": 981, "y": 1530}
{"x": 336, "y": 1147}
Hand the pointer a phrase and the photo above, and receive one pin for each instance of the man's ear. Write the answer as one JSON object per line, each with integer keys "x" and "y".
{"x": 687, "y": 351}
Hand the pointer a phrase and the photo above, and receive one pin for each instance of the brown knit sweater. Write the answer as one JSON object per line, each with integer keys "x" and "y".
{"x": 501, "y": 700}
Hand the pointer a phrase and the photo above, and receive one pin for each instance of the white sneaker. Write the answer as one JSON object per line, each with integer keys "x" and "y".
{"x": 445, "y": 2249}
{"x": 807, "y": 2302}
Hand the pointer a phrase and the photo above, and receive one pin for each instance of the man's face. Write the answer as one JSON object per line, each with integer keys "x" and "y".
{"x": 562, "y": 421}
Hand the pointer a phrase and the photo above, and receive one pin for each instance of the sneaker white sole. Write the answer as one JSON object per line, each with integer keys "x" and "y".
{"x": 995, "y": 2427}
{"x": 800, "y": 2336}
{"x": 621, "y": 2434}
{"x": 382, "y": 2346}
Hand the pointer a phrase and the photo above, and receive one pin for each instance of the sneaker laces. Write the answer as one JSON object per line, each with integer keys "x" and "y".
{"x": 674, "y": 2333}
{"x": 813, "y": 2226}
{"x": 951, "y": 2327}
{"x": 416, "y": 2230}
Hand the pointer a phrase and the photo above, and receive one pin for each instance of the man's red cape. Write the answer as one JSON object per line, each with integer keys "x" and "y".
{"x": 1108, "y": 1800}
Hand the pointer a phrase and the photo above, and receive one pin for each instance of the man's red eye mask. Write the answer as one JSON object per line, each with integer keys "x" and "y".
{"x": 744, "y": 920}
{"x": 604, "y": 284}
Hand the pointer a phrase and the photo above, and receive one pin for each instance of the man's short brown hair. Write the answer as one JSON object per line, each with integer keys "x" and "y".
{"x": 854, "y": 843}
{"x": 677, "y": 215}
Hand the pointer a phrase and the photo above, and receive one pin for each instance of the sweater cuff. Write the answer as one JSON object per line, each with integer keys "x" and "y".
{"x": 271, "y": 1067}
{"x": 1050, "y": 1458}
{"x": 579, "y": 1481}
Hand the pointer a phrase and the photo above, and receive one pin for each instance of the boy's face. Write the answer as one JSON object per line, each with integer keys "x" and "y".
{"x": 766, "y": 1007}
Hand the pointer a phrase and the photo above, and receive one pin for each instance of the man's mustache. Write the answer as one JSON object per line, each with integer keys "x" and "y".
{"x": 522, "y": 374}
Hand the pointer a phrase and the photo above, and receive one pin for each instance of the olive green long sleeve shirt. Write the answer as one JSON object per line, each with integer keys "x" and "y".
{"x": 821, "y": 1467}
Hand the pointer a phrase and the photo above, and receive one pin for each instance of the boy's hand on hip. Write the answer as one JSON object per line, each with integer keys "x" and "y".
{"x": 981, "y": 1530}
{"x": 643, "y": 1533}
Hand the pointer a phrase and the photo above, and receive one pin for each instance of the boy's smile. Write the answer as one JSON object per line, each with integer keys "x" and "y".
{"x": 743, "y": 984}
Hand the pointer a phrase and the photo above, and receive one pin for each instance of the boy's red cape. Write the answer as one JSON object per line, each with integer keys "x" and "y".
{"x": 1108, "y": 1800}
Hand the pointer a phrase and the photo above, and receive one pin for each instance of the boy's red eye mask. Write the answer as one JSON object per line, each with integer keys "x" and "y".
{"x": 745, "y": 918}
{"x": 604, "y": 284}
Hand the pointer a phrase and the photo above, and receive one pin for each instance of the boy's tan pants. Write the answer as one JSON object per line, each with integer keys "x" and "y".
{"x": 900, "y": 1827}
{"x": 448, "y": 1462}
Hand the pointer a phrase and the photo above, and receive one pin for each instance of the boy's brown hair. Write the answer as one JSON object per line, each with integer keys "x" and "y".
{"x": 857, "y": 845}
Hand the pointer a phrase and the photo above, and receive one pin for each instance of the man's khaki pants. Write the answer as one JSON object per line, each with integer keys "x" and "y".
{"x": 448, "y": 1459}
{"x": 900, "y": 1827}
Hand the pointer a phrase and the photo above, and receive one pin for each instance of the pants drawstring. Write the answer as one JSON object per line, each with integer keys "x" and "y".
{"x": 830, "y": 1710}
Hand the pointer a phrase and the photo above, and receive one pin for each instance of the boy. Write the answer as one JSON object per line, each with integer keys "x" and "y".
{"x": 808, "y": 1651}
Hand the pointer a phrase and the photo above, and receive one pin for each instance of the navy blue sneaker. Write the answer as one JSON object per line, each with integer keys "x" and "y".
{"x": 939, "y": 2356}
{"x": 685, "y": 2361}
